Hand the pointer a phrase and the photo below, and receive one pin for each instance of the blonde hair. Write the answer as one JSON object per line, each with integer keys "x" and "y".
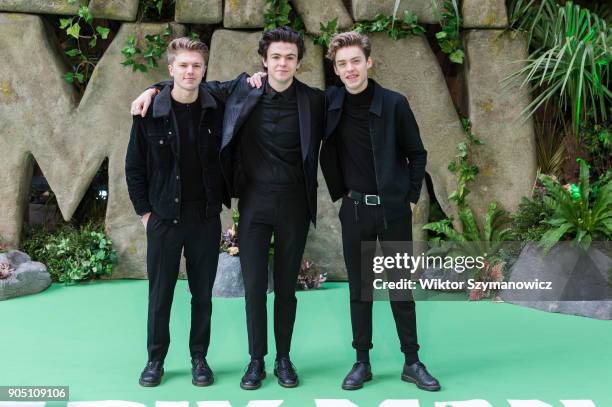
{"x": 348, "y": 39}
{"x": 186, "y": 44}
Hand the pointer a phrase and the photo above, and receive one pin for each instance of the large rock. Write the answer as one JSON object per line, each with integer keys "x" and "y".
{"x": 484, "y": 14}
{"x": 368, "y": 9}
{"x": 234, "y": 52}
{"x": 41, "y": 7}
{"x": 43, "y": 119}
{"x": 244, "y": 13}
{"x": 198, "y": 11}
{"x": 315, "y": 12}
{"x": 229, "y": 282}
{"x": 125, "y": 10}
{"x": 579, "y": 280}
{"x": 27, "y": 277}
{"x": 507, "y": 160}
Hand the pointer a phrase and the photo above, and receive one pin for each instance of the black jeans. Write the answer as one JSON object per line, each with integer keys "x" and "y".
{"x": 282, "y": 210}
{"x": 361, "y": 223}
{"x": 199, "y": 237}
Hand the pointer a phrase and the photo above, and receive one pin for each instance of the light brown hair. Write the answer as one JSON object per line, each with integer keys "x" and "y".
{"x": 186, "y": 44}
{"x": 348, "y": 39}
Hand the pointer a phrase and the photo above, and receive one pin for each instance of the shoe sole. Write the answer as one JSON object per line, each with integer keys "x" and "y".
{"x": 420, "y": 386}
{"x": 255, "y": 386}
{"x": 151, "y": 384}
{"x": 356, "y": 387}
{"x": 288, "y": 386}
{"x": 202, "y": 384}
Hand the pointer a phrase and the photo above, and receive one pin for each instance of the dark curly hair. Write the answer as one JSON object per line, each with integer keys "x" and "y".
{"x": 281, "y": 34}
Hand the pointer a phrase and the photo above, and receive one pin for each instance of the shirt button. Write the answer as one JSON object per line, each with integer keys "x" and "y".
{"x": 161, "y": 141}
{"x": 176, "y": 200}
{"x": 177, "y": 177}
{"x": 169, "y": 132}
{"x": 209, "y": 132}
{"x": 175, "y": 221}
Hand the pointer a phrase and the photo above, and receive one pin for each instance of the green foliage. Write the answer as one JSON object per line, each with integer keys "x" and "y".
{"x": 155, "y": 47}
{"x": 327, "y": 32}
{"x": 72, "y": 255}
{"x": 461, "y": 165}
{"x": 156, "y": 10}
{"x": 279, "y": 13}
{"x": 83, "y": 34}
{"x": 597, "y": 141}
{"x": 528, "y": 221}
{"x": 576, "y": 214}
{"x": 394, "y": 27}
{"x": 449, "y": 38}
{"x": 570, "y": 60}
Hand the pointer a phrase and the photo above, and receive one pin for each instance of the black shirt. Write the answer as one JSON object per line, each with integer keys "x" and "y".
{"x": 355, "y": 143}
{"x": 270, "y": 139}
{"x": 188, "y": 119}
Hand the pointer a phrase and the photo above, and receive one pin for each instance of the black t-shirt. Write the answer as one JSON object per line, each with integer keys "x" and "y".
{"x": 355, "y": 143}
{"x": 188, "y": 119}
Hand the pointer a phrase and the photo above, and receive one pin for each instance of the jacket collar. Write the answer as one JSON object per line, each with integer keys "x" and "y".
{"x": 377, "y": 99}
{"x": 162, "y": 104}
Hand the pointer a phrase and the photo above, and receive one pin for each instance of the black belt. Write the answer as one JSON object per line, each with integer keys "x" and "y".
{"x": 366, "y": 199}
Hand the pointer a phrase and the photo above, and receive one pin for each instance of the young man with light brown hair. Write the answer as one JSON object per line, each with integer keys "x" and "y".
{"x": 174, "y": 181}
{"x": 373, "y": 159}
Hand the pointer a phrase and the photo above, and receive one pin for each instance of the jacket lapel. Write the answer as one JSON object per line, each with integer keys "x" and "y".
{"x": 334, "y": 111}
{"x": 242, "y": 112}
{"x": 304, "y": 118}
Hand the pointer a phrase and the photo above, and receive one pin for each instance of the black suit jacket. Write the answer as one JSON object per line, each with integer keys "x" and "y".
{"x": 240, "y": 100}
{"x": 399, "y": 155}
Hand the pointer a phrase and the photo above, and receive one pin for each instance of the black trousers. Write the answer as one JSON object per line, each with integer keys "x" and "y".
{"x": 361, "y": 223}
{"x": 198, "y": 236}
{"x": 282, "y": 210}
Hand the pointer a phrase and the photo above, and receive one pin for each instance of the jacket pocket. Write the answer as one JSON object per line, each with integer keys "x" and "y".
{"x": 160, "y": 150}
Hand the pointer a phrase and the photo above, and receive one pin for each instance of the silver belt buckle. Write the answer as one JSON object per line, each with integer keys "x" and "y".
{"x": 370, "y": 203}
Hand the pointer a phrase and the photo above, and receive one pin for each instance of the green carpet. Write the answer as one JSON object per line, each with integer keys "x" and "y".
{"x": 92, "y": 338}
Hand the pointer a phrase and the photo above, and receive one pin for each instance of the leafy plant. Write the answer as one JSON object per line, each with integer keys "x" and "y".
{"x": 461, "y": 164}
{"x": 83, "y": 33}
{"x": 70, "y": 254}
{"x": 570, "y": 61}
{"x": 576, "y": 215}
{"x": 327, "y": 32}
{"x": 309, "y": 277}
{"x": 394, "y": 27}
{"x": 229, "y": 238}
{"x": 597, "y": 141}
{"x": 279, "y": 13}
{"x": 5, "y": 270}
{"x": 155, "y": 46}
{"x": 449, "y": 39}
{"x": 528, "y": 221}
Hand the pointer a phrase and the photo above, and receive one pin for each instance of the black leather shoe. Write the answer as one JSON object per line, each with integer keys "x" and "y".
{"x": 417, "y": 373}
{"x": 201, "y": 373}
{"x": 152, "y": 373}
{"x": 255, "y": 373}
{"x": 359, "y": 374}
{"x": 285, "y": 371}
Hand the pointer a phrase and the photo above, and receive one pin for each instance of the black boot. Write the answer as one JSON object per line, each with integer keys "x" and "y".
{"x": 201, "y": 373}
{"x": 417, "y": 373}
{"x": 285, "y": 371}
{"x": 359, "y": 374}
{"x": 255, "y": 373}
{"x": 152, "y": 373}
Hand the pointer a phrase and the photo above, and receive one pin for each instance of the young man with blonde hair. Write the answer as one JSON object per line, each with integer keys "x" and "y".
{"x": 174, "y": 181}
{"x": 373, "y": 159}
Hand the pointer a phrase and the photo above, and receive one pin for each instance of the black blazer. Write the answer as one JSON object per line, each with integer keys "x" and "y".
{"x": 399, "y": 155}
{"x": 240, "y": 100}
